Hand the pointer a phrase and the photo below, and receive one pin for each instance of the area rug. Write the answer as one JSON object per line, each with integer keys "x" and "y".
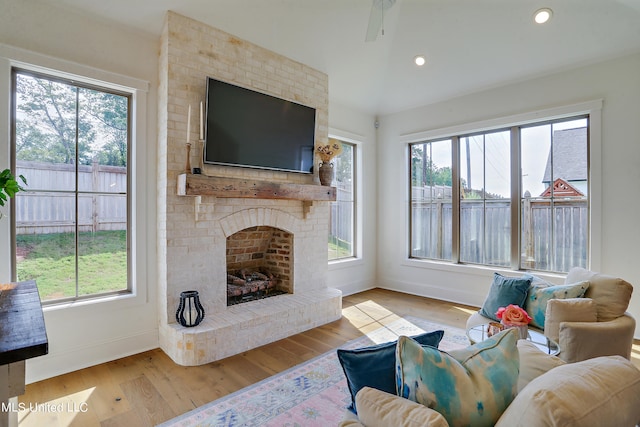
{"x": 312, "y": 394}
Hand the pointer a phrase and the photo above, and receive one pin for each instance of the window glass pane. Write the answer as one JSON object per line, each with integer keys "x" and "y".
{"x": 71, "y": 223}
{"x": 555, "y": 196}
{"x": 46, "y": 132}
{"x": 485, "y": 207}
{"x": 431, "y": 192}
{"x": 341, "y": 233}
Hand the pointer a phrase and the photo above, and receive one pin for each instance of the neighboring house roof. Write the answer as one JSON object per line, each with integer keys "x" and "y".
{"x": 561, "y": 188}
{"x": 569, "y": 156}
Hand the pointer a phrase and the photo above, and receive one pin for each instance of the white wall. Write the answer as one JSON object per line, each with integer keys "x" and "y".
{"x": 85, "y": 334}
{"x": 616, "y": 82}
{"x": 355, "y": 275}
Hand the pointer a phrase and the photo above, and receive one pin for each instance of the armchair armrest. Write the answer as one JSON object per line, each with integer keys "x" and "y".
{"x": 585, "y": 340}
{"x": 380, "y": 409}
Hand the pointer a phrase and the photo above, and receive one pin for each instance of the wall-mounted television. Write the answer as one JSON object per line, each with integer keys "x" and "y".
{"x": 252, "y": 129}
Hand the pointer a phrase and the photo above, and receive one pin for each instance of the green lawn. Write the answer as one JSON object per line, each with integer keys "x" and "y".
{"x": 50, "y": 260}
{"x": 339, "y": 249}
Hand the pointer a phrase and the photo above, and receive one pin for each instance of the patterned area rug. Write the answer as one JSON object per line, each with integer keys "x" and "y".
{"x": 311, "y": 394}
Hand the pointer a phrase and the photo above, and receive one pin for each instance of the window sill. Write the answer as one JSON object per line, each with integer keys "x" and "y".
{"x": 342, "y": 263}
{"x": 478, "y": 270}
{"x": 123, "y": 299}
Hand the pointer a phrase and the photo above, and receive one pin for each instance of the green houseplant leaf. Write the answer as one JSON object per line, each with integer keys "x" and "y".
{"x": 9, "y": 185}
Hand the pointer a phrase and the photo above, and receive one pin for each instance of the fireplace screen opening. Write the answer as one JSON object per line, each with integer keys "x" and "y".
{"x": 250, "y": 285}
{"x": 259, "y": 264}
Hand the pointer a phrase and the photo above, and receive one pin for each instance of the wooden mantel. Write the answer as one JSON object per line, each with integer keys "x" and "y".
{"x": 202, "y": 185}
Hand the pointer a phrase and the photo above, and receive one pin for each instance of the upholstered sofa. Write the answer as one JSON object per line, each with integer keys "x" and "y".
{"x": 603, "y": 391}
{"x": 594, "y": 324}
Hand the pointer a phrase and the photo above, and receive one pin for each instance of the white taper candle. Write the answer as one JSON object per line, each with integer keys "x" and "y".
{"x": 201, "y": 121}
{"x": 188, "y": 122}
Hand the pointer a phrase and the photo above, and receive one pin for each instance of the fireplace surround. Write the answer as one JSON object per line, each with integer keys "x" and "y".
{"x": 193, "y": 228}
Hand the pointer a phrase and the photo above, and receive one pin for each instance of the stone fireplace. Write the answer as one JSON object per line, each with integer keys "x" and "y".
{"x": 203, "y": 237}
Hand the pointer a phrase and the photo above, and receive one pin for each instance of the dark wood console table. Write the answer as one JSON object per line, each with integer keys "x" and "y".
{"x": 22, "y": 336}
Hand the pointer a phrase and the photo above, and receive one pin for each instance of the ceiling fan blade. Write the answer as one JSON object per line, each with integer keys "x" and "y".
{"x": 375, "y": 21}
{"x": 376, "y": 18}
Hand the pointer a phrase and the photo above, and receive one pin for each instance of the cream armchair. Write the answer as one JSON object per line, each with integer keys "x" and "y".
{"x": 592, "y": 326}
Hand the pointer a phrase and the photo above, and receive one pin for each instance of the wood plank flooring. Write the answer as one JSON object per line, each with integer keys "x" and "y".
{"x": 149, "y": 388}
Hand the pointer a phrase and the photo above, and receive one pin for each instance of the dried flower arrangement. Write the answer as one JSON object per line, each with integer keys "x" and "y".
{"x": 329, "y": 151}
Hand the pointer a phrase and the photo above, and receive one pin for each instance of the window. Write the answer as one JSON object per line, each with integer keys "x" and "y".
{"x": 71, "y": 142}
{"x": 485, "y": 206}
{"x": 431, "y": 193}
{"x": 481, "y": 212}
{"x": 342, "y": 225}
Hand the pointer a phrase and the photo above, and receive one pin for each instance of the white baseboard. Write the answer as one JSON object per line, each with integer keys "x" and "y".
{"x": 355, "y": 287}
{"x": 456, "y": 296}
{"x": 80, "y": 357}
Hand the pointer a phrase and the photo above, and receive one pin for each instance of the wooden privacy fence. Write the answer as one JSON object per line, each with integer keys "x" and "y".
{"x": 48, "y": 205}
{"x": 341, "y": 211}
{"x": 554, "y": 238}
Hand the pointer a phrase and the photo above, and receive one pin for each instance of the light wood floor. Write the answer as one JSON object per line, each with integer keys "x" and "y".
{"x": 148, "y": 388}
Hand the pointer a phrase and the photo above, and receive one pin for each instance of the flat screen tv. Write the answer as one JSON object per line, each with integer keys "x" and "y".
{"x": 252, "y": 129}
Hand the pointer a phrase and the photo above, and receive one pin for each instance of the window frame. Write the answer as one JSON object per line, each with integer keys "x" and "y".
{"x": 76, "y": 84}
{"x": 358, "y": 169}
{"x": 354, "y": 204}
{"x": 142, "y": 160}
{"x": 592, "y": 109}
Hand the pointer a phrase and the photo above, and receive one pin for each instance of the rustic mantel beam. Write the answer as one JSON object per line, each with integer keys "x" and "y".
{"x": 202, "y": 185}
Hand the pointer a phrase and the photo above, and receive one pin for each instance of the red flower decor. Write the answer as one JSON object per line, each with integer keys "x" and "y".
{"x": 513, "y": 315}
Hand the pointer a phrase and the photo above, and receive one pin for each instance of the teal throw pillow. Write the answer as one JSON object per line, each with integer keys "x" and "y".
{"x": 375, "y": 366}
{"x": 469, "y": 387}
{"x": 541, "y": 292}
{"x": 505, "y": 291}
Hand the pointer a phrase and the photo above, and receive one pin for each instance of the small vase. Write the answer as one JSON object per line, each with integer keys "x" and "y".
{"x": 325, "y": 173}
{"x": 523, "y": 330}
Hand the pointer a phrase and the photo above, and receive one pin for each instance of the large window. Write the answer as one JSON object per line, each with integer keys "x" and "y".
{"x": 342, "y": 225}
{"x": 431, "y": 193}
{"x": 71, "y": 143}
{"x": 516, "y": 197}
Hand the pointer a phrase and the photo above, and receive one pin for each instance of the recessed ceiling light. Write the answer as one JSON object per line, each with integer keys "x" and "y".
{"x": 420, "y": 60}
{"x": 542, "y": 15}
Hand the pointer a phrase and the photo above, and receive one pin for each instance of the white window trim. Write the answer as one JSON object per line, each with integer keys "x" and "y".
{"x": 356, "y": 140}
{"x": 11, "y": 57}
{"x": 593, "y": 108}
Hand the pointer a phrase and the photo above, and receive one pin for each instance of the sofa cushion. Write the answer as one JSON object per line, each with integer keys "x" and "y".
{"x": 375, "y": 366}
{"x": 541, "y": 292}
{"x": 504, "y": 291}
{"x": 611, "y": 294}
{"x": 567, "y": 310}
{"x": 533, "y": 363}
{"x": 380, "y": 409}
{"x": 604, "y": 391}
{"x": 470, "y": 386}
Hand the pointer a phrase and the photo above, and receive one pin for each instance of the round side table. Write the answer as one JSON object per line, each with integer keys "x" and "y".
{"x": 481, "y": 332}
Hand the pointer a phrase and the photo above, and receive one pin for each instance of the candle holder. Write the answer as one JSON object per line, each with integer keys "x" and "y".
{"x": 190, "y": 312}
{"x": 187, "y": 167}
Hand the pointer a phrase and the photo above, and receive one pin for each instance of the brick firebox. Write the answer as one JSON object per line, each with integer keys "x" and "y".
{"x": 263, "y": 247}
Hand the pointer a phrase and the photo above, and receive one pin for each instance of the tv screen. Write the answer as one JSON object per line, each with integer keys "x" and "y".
{"x": 252, "y": 129}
